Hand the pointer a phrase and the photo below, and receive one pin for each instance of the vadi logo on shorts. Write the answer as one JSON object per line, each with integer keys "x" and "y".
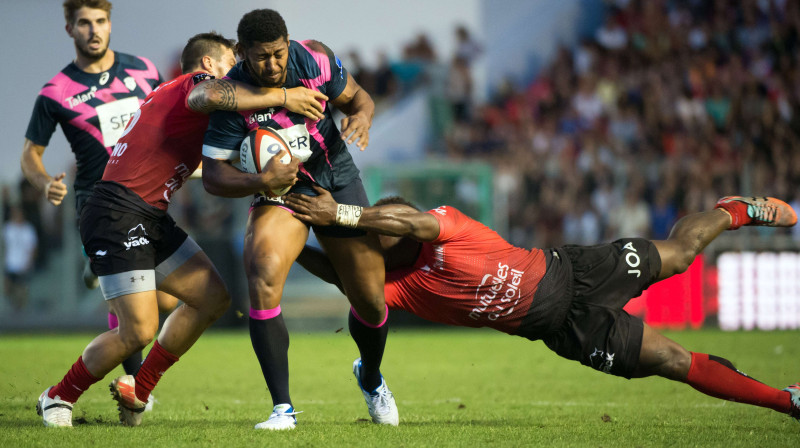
{"x": 136, "y": 237}
{"x": 602, "y": 361}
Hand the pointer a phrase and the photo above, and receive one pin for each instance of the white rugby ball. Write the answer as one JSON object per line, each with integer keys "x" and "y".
{"x": 260, "y": 145}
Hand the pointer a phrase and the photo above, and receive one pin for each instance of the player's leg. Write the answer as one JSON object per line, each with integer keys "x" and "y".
{"x": 710, "y": 375}
{"x": 694, "y": 232}
{"x": 138, "y": 322}
{"x": 273, "y": 239}
{"x": 359, "y": 265}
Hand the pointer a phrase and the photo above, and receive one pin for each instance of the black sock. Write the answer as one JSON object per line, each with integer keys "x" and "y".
{"x": 370, "y": 342}
{"x": 270, "y": 340}
{"x": 132, "y": 364}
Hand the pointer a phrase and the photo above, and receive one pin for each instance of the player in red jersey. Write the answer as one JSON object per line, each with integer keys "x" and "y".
{"x": 445, "y": 267}
{"x": 92, "y": 99}
{"x": 136, "y": 248}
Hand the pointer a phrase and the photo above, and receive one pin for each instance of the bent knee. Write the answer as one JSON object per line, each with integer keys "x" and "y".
{"x": 138, "y": 336}
{"x": 265, "y": 278}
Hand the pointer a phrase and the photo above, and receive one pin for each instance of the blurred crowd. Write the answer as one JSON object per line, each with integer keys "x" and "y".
{"x": 670, "y": 105}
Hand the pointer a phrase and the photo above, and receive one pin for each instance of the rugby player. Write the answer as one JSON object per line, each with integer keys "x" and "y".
{"x": 134, "y": 245}
{"x": 273, "y": 239}
{"x": 92, "y": 99}
{"x": 445, "y": 267}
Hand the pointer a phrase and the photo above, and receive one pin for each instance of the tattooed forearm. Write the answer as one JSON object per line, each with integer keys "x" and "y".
{"x": 215, "y": 94}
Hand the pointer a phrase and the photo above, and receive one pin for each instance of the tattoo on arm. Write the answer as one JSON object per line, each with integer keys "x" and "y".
{"x": 215, "y": 94}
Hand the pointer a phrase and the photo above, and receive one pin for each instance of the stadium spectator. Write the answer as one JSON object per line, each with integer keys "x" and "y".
{"x": 701, "y": 101}
{"x": 135, "y": 246}
{"x": 445, "y": 267}
{"x": 82, "y": 99}
{"x": 20, "y": 244}
{"x": 273, "y": 238}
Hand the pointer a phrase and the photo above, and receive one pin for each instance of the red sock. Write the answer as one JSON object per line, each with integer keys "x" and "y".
{"x": 717, "y": 377}
{"x": 738, "y": 211}
{"x": 75, "y": 382}
{"x": 156, "y": 363}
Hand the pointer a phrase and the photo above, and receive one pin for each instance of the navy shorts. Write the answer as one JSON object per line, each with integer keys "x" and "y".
{"x": 597, "y": 332}
{"x": 351, "y": 194}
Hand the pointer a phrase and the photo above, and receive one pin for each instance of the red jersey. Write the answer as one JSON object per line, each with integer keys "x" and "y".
{"x": 469, "y": 276}
{"x": 162, "y": 144}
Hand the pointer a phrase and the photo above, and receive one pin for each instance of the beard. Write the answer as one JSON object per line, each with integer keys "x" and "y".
{"x": 95, "y": 55}
{"x": 262, "y": 82}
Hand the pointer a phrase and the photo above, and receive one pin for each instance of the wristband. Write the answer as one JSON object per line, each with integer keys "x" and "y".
{"x": 348, "y": 215}
{"x": 284, "y": 97}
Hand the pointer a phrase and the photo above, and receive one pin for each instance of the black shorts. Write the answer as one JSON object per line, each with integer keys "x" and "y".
{"x": 597, "y": 332}
{"x": 121, "y": 235}
{"x": 351, "y": 194}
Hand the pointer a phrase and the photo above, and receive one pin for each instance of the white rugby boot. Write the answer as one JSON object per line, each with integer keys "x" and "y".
{"x": 55, "y": 412}
{"x": 380, "y": 401}
{"x": 123, "y": 390}
{"x": 282, "y": 418}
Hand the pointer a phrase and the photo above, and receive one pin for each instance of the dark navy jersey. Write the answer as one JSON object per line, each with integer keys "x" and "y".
{"x": 92, "y": 109}
{"x": 317, "y": 144}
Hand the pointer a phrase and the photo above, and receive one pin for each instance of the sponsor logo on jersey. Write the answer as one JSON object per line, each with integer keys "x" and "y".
{"x": 130, "y": 83}
{"x": 101, "y": 253}
{"x": 440, "y": 211}
{"x": 341, "y": 69}
{"x": 260, "y": 118}
{"x": 81, "y": 98}
{"x": 501, "y": 297}
{"x": 601, "y": 360}
{"x": 137, "y": 236}
{"x": 104, "y": 78}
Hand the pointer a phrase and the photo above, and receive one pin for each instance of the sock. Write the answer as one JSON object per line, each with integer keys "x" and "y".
{"x": 153, "y": 367}
{"x": 371, "y": 340}
{"x": 132, "y": 364}
{"x": 75, "y": 382}
{"x": 270, "y": 340}
{"x": 717, "y": 377}
{"x": 738, "y": 211}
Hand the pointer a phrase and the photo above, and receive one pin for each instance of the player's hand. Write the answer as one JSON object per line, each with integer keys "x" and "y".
{"x": 307, "y": 102}
{"x": 278, "y": 175}
{"x": 55, "y": 190}
{"x": 317, "y": 210}
{"x": 355, "y": 128}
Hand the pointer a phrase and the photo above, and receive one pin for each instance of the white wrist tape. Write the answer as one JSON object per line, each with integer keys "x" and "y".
{"x": 348, "y": 215}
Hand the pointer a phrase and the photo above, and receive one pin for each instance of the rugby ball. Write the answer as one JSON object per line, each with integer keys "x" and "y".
{"x": 260, "y": 145}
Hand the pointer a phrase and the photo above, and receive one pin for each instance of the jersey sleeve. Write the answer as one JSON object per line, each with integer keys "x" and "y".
{"x": 334, "y": 86}
{"x": 224, "y": 135}
{"x": 450, "y": 222}
{"x": 43, "y": 121}
{"x": 190, "y": 82}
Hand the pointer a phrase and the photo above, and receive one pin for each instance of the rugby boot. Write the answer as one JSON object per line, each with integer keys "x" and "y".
{"x": 55, "y": 412}
{"x": 282, "y": 418}
{"x": 380, "y": 402}
{"x": 794, "y": 390}
{"x": 757, "y": 211}
{"x": 123, "y": 390}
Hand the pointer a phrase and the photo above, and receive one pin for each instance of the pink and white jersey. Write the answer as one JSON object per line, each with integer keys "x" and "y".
{"x": 92, "y": 109}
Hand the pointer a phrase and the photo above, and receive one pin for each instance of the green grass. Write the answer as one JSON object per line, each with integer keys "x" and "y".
{"x": 453, "y": 388}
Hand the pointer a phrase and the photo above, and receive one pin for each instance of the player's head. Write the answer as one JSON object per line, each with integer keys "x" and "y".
{"x": 89, "y": 25}
{"x": 264, "y": 46}
{"x": 210, "y": 52}
{"x": 395, "y": 200}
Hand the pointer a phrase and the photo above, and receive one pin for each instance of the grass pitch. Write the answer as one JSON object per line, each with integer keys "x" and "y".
{"x": 453, "y": 388}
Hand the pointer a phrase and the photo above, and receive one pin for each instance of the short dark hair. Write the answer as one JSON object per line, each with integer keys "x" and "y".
{"x": 71, "y": 6}
{"x": 203, "y": 44}
{"x": 261, "y": 25}
{"x": 395, "y": 200}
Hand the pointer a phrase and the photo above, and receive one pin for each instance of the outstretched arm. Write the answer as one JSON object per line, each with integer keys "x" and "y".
{"x": 226, "y": 94}
{"x": 316, "y": 262}
{"x": 390, "y": 219}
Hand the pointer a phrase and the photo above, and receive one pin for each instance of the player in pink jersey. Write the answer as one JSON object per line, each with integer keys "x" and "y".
{"x": 92, "y": 99}
{"x": 445, "y": 267}
{"x": 134, "y": 245}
